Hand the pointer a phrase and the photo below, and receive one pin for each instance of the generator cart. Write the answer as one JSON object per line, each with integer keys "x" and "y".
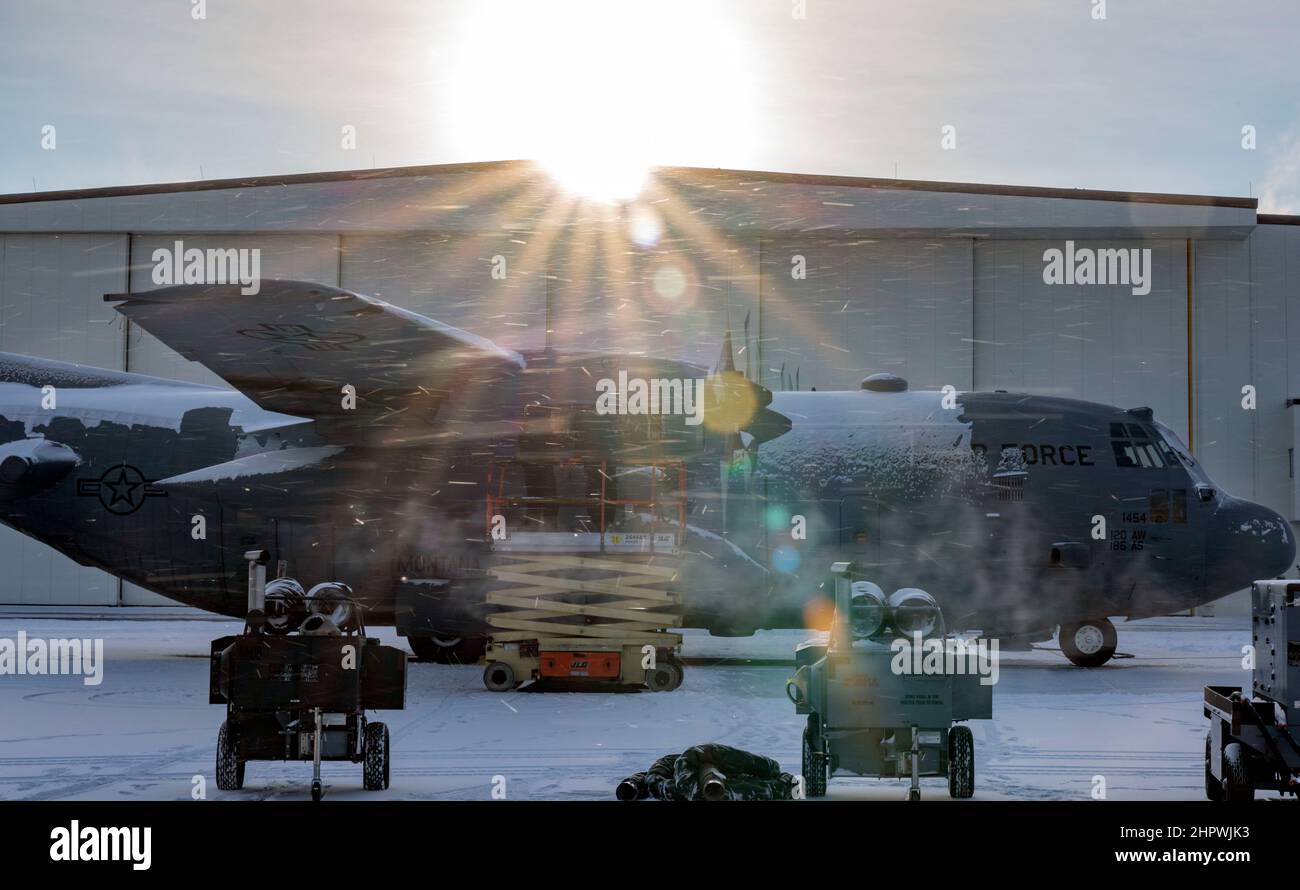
{"x": 297, "y": 683}
{"x": 877, "y": 707}
{"x": 1252, "y": 742}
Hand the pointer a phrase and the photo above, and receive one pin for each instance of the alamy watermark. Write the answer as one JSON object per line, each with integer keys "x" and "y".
{"x": 945, "y": 655}
{"x": 655, "y": 395}
{"x": 39, "y": 657}
{"x": 215, "y": 265}
{"x": 1121, "y": 265}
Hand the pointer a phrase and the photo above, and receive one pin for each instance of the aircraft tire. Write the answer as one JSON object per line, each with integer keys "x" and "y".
{"x": 375, "y": 767}
{"x": 230, "y": 769}
{"x": 1213, "y": 787}
{"x": 1088, "y": 643}
{"x": 457, "y": 650}
{"x": 961, "y": 763}
{"x": 1236, "y": 773}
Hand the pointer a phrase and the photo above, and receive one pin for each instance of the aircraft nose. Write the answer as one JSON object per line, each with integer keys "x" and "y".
{"x": 1246, "y": 542}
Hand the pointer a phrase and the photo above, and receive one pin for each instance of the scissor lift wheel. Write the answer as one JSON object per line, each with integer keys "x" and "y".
{"x": 499, "y": 677}
{"x": 665, "y": 676}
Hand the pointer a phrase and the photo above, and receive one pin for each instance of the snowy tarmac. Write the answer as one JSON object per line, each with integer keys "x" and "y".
{"x": 147, "y": 730}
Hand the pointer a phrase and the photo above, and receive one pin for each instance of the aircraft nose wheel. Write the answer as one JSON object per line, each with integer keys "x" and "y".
{"x": 1089, "y": 643}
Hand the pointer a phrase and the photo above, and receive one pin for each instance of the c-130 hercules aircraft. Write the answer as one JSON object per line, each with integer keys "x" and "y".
{"x": 366, "y": 443}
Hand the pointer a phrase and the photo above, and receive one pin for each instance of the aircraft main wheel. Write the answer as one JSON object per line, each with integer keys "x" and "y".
{"x": 448, "y": 650}
{"x": 1088, "y": 643}
{"x": 230, "y": 769}
{"x": 664, "y": 677}
{"x": 814, "y": 762}
{"x": 961, "y": 762}
{"x": 1236, "y": 773}
{"x": 499, "y": 677}
{"x": 375, "y": 768}
{"x": 1213, "y": 787}
{"x": 316, "y": 791}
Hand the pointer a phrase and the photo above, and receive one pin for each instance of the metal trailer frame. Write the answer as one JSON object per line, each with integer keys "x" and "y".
{"x": 1252, "y": 743}
{"x": 893, "y": 733}
{"x": 302, "y": 696}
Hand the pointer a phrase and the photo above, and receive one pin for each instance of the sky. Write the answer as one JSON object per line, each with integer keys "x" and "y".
{"x": 1151, "y": 96}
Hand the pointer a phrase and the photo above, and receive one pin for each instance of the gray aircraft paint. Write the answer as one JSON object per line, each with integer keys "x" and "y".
{"x": 888, "y": 479}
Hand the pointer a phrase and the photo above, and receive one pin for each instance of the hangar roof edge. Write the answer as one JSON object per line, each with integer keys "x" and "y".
{"x": 701, "y": 175}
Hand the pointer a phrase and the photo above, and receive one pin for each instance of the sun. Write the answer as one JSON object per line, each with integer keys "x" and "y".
{"x": 598, "y": 92}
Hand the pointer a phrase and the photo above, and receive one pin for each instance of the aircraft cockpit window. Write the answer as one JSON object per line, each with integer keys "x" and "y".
{"x": 1136, "y": 454}
{"x": 1175, "y": 446}
{"x": 1137, "y": 446}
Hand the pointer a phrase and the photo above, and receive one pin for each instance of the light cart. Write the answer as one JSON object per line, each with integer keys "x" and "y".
{"x": 303, "y": 694}
{"x": 1253, "y": 743}
{"x": 866, "y": 720}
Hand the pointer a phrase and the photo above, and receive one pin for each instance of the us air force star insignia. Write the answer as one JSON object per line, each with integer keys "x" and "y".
{"x": 122, "y": 489}
{"x": 301, "y": 335}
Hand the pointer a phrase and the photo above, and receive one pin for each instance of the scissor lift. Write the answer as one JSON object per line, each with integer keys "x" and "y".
{"x": 592, "y": 602}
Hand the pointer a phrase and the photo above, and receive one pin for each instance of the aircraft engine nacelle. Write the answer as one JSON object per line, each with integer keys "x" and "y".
{"x": 29, "y": 466}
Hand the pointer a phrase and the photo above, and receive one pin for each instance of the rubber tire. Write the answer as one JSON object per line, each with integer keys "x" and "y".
{"x": 1213, "y": 787}
{"x": 316, "y": 791}
{"x": 375, "y": 765}
{"x": 681, "y": 672}
{"x": 230, "y": 769}
{"x": 1236, "y": 773}
{"x": 663, "y": 677}
{"x": 466, "y": 650}
{"x": 499, "y": 677}
{"x": 961, "y": 763}
{"x": 1095, "y": 659}
{"x": 814, "y": 763}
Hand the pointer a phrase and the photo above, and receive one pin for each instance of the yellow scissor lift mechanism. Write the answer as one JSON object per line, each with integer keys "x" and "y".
{"x": 592, "y": 604}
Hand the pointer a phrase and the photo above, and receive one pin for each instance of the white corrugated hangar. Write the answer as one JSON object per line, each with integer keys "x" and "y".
{"x": 823, "y": 280}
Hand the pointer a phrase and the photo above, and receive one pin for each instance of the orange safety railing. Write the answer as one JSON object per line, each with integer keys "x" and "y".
{"x": 497, "y": 499}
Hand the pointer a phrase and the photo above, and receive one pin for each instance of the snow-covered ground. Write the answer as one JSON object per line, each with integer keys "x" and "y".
{"x": 147, "y": 730}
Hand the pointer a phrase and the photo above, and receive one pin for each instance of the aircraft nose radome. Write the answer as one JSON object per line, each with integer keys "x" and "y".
{"x": 1247, "y": 542}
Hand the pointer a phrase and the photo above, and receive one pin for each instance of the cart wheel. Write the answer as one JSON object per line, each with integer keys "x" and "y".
{"x": 665, "y": 676}
{"x": 1088, "y": 643}
{"x": 315, "y": 790}
{"x": 814, "y": 762}
{"x": 499, "y": 677}
{"x": 1236, "y": 773}
{"x": 1213, "y": 787}
{"x": 913, "y": 793}
{"x": 961, "y": 762}
{"x": 230, "y": 769}
{"x": 374, "y": 771}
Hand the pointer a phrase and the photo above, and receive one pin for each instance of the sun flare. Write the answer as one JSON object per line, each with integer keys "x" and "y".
{"x": 599, "y": 92}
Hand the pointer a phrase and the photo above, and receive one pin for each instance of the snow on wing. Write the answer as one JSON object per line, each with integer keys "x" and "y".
{"x": 294, "y": 347}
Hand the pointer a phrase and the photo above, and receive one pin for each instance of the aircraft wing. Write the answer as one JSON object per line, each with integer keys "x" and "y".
{"x": 296, "y": 347}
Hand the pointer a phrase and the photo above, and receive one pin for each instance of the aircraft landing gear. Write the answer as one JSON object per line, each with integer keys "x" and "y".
{"x": 448, "y": 650}
{"x": 1089, "y": 643}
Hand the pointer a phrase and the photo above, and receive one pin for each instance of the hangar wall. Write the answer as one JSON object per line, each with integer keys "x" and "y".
{"x": 51, "y": 304}
{"x": 970, "y": 311}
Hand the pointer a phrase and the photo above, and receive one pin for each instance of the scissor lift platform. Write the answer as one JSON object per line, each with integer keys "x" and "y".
{"x": 588, "y": 607}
